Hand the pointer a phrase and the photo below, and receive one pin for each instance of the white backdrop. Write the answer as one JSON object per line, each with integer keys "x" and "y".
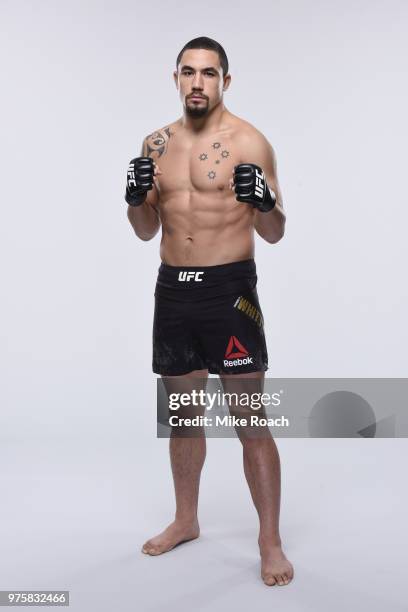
{"x": 83, "y": 83}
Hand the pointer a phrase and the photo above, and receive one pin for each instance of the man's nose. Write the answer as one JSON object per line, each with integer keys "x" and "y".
{"x": 198, "y": 81}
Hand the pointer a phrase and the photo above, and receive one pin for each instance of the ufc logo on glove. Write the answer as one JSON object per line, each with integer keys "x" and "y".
{"x": 131, "y": 176}
{"x": 259, "y": 185}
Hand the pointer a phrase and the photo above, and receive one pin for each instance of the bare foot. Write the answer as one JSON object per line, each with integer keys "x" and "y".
{"x": 275, "y": 568}
{"x": 176, "y": 533}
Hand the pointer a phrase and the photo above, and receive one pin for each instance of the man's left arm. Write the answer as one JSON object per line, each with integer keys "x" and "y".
{"x": 269, "y": 216}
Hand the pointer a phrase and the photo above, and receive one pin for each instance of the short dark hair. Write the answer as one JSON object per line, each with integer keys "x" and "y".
{"x": 203, "y": 42}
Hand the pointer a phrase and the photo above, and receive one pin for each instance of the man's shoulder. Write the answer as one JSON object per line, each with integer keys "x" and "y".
{"x": 245, "y": 133}
{"x": 156, "y": 143}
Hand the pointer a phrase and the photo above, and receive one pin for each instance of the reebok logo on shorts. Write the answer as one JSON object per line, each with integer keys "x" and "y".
{"x": 236, "y": 354}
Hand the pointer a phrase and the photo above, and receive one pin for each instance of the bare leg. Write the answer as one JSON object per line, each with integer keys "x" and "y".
{"x": 262, "y": 471}
{"x": 187, "y": 455}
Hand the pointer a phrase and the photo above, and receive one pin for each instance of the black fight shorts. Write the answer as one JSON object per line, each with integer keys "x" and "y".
{"x": 208, "y": 318}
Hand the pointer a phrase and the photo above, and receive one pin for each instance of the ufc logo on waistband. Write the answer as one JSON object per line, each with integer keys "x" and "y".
{"x": 188, "y": 276}
{"x": 259, "y": 184}
{"x": 131, "y": 176}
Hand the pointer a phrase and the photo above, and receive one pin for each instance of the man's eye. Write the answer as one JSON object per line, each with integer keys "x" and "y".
{"x": 211, "y": 74}
{"x": 187, "y": 72}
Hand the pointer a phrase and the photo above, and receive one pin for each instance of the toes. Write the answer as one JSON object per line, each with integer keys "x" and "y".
{"x": 269, "y": 580}
{"x": 279, "y": 579}
{"x": 287, "y": 578}
{"x": 149, "y": 550}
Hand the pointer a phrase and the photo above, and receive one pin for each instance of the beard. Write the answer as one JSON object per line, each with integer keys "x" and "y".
{"x": 195, "y": 111}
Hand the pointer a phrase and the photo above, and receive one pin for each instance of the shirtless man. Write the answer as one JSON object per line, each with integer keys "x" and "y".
{"x": 208, "y": 180}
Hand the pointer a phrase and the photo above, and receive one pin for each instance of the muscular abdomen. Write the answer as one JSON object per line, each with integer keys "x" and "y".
{"x": 205, "y": 229}
{"x": 202, "y": 222}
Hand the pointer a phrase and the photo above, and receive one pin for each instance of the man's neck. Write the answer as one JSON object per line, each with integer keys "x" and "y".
{"x": 209, "y": 123}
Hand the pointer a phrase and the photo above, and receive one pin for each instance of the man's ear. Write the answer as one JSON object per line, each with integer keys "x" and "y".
{"x": 227, "y": 81}
{"x": 175, "y": 76}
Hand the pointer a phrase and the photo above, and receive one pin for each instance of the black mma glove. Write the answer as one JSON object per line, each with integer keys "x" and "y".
{"x": 139, "y": 180}
{"x": 251, "y": 186}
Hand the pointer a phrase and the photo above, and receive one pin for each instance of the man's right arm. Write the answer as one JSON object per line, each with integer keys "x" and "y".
{"x": 145, "y": 217}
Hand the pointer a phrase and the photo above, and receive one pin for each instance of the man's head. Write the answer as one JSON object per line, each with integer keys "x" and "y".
{"x": 201, "y": 75}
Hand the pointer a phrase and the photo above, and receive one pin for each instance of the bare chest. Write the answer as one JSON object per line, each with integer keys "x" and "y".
{"x": 200, "y": 165}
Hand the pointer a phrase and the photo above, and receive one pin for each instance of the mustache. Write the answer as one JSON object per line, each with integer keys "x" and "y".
{"x": 195, "y": 95}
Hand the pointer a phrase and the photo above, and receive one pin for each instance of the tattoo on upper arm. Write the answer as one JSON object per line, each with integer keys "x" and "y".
{"x": 157, "y": 142}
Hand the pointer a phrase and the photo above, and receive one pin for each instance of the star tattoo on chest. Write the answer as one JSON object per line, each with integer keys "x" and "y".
{"x": 224, "y": 154}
